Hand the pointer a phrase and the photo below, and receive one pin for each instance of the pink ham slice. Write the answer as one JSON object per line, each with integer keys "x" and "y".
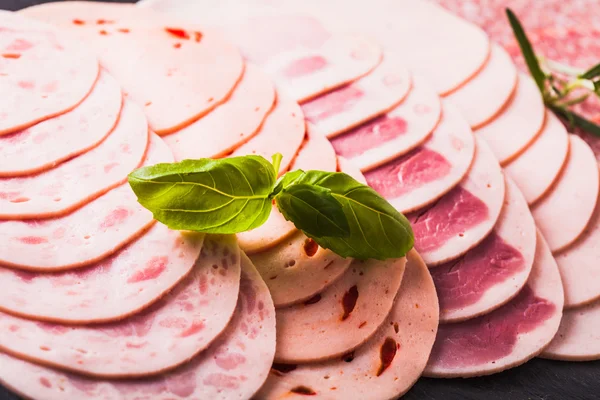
{"x": 566, "y": 210}
{"x": 236, "y": 121}
{"x": 492, "y": 273}
{"x": 316, "y": 153}
{"x": 351, "y": 169}
{"x": 386, "y": 366}
{"x": 554, "y": 140}
{"x": 233, "y": 367}
{"x": 112, "y": 289}
{"x": 518, "y": 124}
{"x": 78, "y": 181}
{"x": 179, "y": 325}
{"x": 425, "y": 174}
{"x": 462, "y": 218}
{"x": 508, "y": 336}
{"x": 342, "y": 317}
{"x": 43, "y": 146}
{"x": 44, "y": 73}
{"x": 395, "y": 133}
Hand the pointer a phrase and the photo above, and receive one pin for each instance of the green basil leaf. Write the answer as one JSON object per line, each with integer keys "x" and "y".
{"x": 285, "y": 181}
{"x": 276, "y": 161}
{"x": 226, "y": 196}
{"x": 591, "y": 73}
{"x": 576, "y": 120}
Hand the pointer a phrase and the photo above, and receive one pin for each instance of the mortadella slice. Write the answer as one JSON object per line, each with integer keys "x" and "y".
{"x": 316, "y": 153}
{"x": 351, "y": 169}
{"x": 167, "y": 334}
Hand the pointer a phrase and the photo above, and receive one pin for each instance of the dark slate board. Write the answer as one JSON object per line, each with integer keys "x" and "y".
{"x": 536, "y": 380}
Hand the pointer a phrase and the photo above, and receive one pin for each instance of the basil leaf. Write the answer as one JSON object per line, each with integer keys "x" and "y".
{"x": 276, "y": 161}
{"x": 224, "y": 196}
{"x": 285, "y": 181}
{"x": 591, "y": 73}
{"x": 313, "y": 210}
{"x": 576, "y": 120}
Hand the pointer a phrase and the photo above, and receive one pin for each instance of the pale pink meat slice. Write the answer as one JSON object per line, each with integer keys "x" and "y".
{"x": 169, "y": 333}
{"x": 44, "y": 73}
{"x": 348, "y": 167}
{"x": 234, "y": 366}
{"x": 273, "y": 231}
{"x": 386, "y": 366}
{"x": 46, "y": 144}
{"x": 508, "y": 336}
{"x": 316, "y": 153}
{"x": 74, "y": 183}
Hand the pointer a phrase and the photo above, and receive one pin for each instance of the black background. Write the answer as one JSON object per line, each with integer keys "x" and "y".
{"x": 538, "y": 379}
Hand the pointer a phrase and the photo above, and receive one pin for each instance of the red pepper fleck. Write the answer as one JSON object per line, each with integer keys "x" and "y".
{"x": 349, "y": 301}
{"x": 104, "y": 21}
{"x": 387, "y": 354}
{"x": 310, "y": 247}
{"x": 103, "y": 32}
{"x": 198, "y": 36}
{"x": 178, "y": 32}
{"x": 303, "y": 390}
{"x": 78, "y": 22}
{"x": 124, "y": 30}
{"x": 11, "y": 55}
{"x": 177, "y": 45}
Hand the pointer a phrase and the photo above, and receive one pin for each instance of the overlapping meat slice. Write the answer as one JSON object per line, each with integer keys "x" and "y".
{"x": 316, "y": 153}
{"x": 386, "y": 366}
{"x": 348, "y": 167}
{"x": 492, "y": 273}
{"x": 234, "y": 366}
{"x": 509, "y": 335}
{"x": 73, "y": 183}
{"x": 167, "y": 334}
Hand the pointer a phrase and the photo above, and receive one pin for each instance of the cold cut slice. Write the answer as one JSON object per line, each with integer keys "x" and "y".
{"x": 316, "y": 153}
{"x": 395, "y": 133}
{"x": 111, "y": 289}
{"x": 273, "y": 231}
{"x": 508, "y": 336}
{"x": 386, "y": 366}
{"x": 566, "y": 210}
{"x": 46, "y": 144}
{"x": 236, "y": 121}
{"x": 169, "y": 333}
{"x": 425, "y": 174}
{"x": 44, "y": 73}
{"x": 342, "y": 317}
{"x": 462, "y": 218}
{"x": 349, "y": 168}
{"x": 233, "y": 367}
{"x": 492, "y": 273}
{"x": 72, "y": 184}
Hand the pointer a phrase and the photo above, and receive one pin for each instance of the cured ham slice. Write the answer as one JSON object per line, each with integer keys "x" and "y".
{"x": 233, "y": 367}
{"x": 492, "y": 273}
{"x": 462, "y": 218}
{"x": 44, "y": 73}
{"x": 425, "y": 174}
{"x": 236, "y": 121}
{"x": 395, "y": 133}
{"x": 112, "y": 289}
{"x": 342, "y": 317}
{"x": 386, "y": 366}
{"x": 73, "y": 183}
{"x": 169, "y": 333}
{"x": 43, "y": 146}
{"x": 508, "y": 336}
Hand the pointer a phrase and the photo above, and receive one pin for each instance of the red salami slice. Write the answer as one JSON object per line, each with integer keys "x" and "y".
{"x": 181, "y": 324}
{"x": 77, "y": 181}
{"x": 508, "y": 336}
{"x": 44, "y": 73}
{"x": 234, "y": 366}
{"x": 43, "y": 146}
{"x": 386, "y": 366}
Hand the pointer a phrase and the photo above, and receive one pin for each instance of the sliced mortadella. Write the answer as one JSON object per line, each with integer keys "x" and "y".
{"x": 316, "y": 153}
{"x": 234, "y": 366}
{"x": 508, "y": 336}
{"x": 112, "y": 289}
{"x": 526, "y": 171}
{"x": 351, "y": 169}
{"x": 425, "y": 174}
{"x": 275, "y": 230}
{"x": 386, "y": 366}
{"x": 349, "y": 106}
{"x": 342, "y": 317}
{"x": 167, "y": 334}
{"x": 236, "y": 121}
{"x": 46, "y": 144}
{"x": 484, "y": 96}
{"x": 43, "y": 72}
{"x": 492, "y": 273}
{"x": 395, "y": 133}
{"x": 518, "y": 124}
{"x": 462, "y": 218}
{"x": 72, "y": 184}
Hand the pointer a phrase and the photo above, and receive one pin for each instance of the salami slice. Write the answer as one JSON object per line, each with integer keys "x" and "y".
{"x": 395, "y": 133}
{"x": 77, "y": 181}
{"x": 386, "y": 366}
{"x": 342, "y": 317}
{"x": 508, "y": 336}
{"x": 233, "y": 367}
{"x": 112, "y": 289}
{"x": 44, "y": 73}
{"x": 43, "y": 146}
{"x": 179, "y": 325}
